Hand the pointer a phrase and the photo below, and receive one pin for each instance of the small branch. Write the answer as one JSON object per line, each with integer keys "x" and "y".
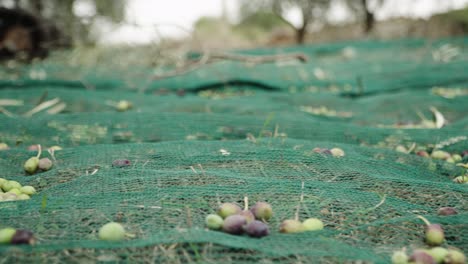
{"x": 42, "y": 98}
{"x": 39, "y": 151}
{"x": 301, "y": 200}
{"x": 6, "y": 112}
{"x": 413, "y": 146}
{"x": 57, "y": 109}
{"x": 380, "y": 203}
{"x": 192, "y": 66}
{"x": 260, "y": 59}
{"x": 424, "y": 220}
{"x": 208, "y": 58}
{"x": 42, "y": 106}
{"x": 189, "y": 216}
{"x": 52, "y": 154}
{"x": 296, "y": 215}
{"x": 202, "y": 170}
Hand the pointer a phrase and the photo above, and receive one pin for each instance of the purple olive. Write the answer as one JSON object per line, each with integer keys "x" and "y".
{"x": 257, "y": 229}
{"x": 422, "y": 153}
{"x": 317, "y": 150}
{"x": 447, "y": 211}
{"x": 120, "y": 163}
{"x": 234, "y": 224}
{"x": 23, "y": 237}
{"x": 421, "y": 257}
{"x": 45, "y": 164}
{"x": 465, "y": 154}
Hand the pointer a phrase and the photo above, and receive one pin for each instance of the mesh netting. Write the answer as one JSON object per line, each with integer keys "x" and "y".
{"x": 240, "y": 130}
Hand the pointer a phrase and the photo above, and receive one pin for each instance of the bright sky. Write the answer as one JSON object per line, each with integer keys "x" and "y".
{"x": 168, "y": 14}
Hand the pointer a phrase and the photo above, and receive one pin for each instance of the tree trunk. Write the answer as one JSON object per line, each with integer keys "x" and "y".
{"x": 300, "y": 34}
{"x": 302, "y": 31}
{"x": 369, "y": 20}
{"x": 37, "y": 7}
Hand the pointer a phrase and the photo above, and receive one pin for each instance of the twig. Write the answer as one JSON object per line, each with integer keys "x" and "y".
{"x": 260, "y": 58}
{"x": 202, "y": 170}
{"x": 301, "y": 200}
{"x": 218, "y": 200}
{"x": 208, "y": 58}
{"x": 39, "y": 151}
{"x": 275, "y": 134}
{"x": 424, "y": 220}
{"x": 57, "y": 109}
{"x": 42, "y": 98}
{"x": 192, "y": 66}
{"x": 42, "y": 106}
{"x": 6, "y": 112}
{"x": 189, "y": 217}
{"x": 52, "y": 154}
{"x": 380, "y": 203}
{"x": 413, "y": 146}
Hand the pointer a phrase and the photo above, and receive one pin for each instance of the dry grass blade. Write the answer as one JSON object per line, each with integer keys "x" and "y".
{"x": 261, "y": 58}
{"x": 11, "y": 102}
{"x": 57, "y": 109}
{"x": 438, "y": 117}
{"x": 6, "y": 112}
{"x": 42, "y": 106}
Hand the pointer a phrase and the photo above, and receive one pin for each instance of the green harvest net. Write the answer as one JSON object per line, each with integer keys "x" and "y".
{"x": 240, "y": 130}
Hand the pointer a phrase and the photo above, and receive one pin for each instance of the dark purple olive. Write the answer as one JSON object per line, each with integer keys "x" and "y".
{"x": 234, "y": 224}
{"x": 326, "y": 152}
{"x": 421, "y": 257}
{"x": 181, "y": 92}
{"x": 23, "y": 237}
{"x": 257, "y": 229}
{"x": 447, "y": 211}
{"x": 121, "y": 163}
{"x": 422, "y": 153}
{"x": 465, "y": 154}
{"x": 317, "y": 150}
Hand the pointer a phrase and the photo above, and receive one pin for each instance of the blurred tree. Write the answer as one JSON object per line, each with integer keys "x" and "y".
{"x": 365, "y": 10}
{"x": 310, "y": 10}
{"x": 74, "y": 26}
{"x": 266, "y": 21}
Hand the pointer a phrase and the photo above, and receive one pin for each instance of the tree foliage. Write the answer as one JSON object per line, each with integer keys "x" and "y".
{"x": 364, "y": 10}
{"x": 62, "y": 14}
{"x": 311, "y": 11}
